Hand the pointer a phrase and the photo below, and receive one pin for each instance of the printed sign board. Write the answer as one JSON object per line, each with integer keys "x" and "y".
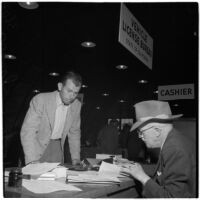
{"x": 134, "y": 37}
{"x": 173, "y": 92}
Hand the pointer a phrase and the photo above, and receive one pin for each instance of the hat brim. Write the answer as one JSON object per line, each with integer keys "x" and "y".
{"x": 140, "y": 124}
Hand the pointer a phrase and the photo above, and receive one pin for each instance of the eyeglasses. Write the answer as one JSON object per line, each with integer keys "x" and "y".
{"x": 141, "y": 133}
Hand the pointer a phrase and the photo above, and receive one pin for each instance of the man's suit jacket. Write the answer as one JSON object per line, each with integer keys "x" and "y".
{"x": 38, "y": 126}
{"x": 175, "y": 174}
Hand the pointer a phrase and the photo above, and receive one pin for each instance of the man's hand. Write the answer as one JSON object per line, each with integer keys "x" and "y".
{"x": 33, "y": 162}
{"x": 136, "y": 171}
{"x": 76, "y": 162}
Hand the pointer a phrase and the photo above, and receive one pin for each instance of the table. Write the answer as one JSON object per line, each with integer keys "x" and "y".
{"x": 126, "y": 189}
{"x": 123, "y": 190}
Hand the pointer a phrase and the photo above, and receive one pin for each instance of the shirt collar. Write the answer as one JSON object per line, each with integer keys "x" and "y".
{"x": 58, "y": 100}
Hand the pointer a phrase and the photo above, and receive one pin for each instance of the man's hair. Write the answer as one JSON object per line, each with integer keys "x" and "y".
{"x": 75, "y": 77}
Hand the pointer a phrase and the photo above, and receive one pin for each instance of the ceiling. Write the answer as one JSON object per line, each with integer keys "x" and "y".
{"x": 48, "y": 39}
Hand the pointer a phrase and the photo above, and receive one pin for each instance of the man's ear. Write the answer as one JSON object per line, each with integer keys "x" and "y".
{"x": 59, "y": 86}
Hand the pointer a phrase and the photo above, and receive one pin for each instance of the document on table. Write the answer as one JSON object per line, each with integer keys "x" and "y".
{"x": 37, "y": 186}
{"x": 39, "y": 168}
{"x": 98, "y": 178}
{"x": 108, "y": 169}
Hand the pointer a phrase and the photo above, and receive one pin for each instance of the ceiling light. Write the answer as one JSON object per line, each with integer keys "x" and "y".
{"x": 53, "y": 74}
{"x": 105, "y": 94}
{"x": 142, "y": 81}
{"x": 176, "y": 105}
{"x": 9, "y": 56}
{"x": 84, "y": 86}
{"x": 28, "y": 5}
{"x": 36, "y": 91}
{"x": 121, "y": 101}
{"x": 98, "y": 108}
{"x": 155, "y": 92}
{"x": 121, "y": 67}
{"x": 88, "y": 44}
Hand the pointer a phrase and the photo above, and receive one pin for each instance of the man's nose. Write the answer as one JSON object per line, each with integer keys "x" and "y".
{"x": 73, "y": 95}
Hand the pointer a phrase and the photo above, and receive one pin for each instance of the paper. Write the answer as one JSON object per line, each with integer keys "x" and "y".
{"x": 39, "y": 168}
{"x": 37, "y": 186}
{"x": 86, "y": 178}
{"x": 47, "y": 176}
{"x": 108, "y": 169}
{"x": 60, "y": 172}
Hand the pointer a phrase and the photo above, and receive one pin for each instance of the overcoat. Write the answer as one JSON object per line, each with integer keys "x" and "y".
{"x": 175, "y": 174}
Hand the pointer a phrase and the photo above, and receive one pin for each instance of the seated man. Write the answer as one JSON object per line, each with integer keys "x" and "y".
{"x": 175, "y": 173}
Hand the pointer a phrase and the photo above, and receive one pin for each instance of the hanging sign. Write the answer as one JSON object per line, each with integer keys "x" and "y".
{"x": 134, "y": 37}
{"x": 173, "y": 92}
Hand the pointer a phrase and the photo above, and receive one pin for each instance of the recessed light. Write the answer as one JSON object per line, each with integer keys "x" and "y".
{"x": 9, "y": 56}
{"x": 98, "y": 108}
{"x": 105, "y": 94}
{"x": 36, "y": 91}
{"x": 88, "y": 44}
{"x": 142, "y": 81}
{"x": 53, "y": 74}
{"x": 84, "y": 86}
{"x": 121, "y": 67}
{"x": 29, "y": 5}
{"x": 176, "y": 105}
{"x": 121, "y": 101}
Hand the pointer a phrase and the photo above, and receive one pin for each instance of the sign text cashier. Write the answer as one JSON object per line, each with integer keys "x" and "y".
{"x": 172, "y": 92}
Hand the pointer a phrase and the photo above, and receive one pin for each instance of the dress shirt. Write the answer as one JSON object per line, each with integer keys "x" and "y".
{"x": 60, "y": 116}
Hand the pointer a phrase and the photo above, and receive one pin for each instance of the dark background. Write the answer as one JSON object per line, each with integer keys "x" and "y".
{"x": 48, "y": 39}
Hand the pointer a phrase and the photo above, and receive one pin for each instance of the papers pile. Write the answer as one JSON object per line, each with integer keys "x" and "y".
{"x": 108, "y": 173}
{"x": 86, "y": 178}
{"x": 39, "y": 168}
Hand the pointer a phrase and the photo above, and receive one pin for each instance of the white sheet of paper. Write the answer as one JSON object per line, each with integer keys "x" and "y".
{"x": 112, "y": 170}
{"x": 107, "y": 167}
{"x": 38, "y": 186}
{"x": 60, "y": 172}
{"x": 100, "y": 178}
{"x": 39, "y": 168}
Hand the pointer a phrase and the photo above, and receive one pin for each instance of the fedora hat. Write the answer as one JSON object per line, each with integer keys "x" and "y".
{"x": 152, "y": 111}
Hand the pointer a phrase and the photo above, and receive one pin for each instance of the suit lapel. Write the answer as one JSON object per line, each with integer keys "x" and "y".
{"x": 51, "y": 109}
{"x": 158, "y": 165}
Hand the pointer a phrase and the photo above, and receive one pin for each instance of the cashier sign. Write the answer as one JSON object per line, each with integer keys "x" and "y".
{"x": 173, "y": 92}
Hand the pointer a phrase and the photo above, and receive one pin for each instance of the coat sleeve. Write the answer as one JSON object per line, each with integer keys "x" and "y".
{"x": 74, "y": 137}
{"x": 30, "y": 128}
{"x": 176, "y": 173}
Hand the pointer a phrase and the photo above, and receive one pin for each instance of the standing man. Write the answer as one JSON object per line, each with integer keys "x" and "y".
{"x": 175, "y": 174}
{"x": 51, "y": 118}
{"x": 108, "y": 138}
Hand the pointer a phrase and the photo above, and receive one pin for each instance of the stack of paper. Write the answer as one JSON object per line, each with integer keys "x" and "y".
{"x": 86, "y": 178}
{"x": 111, "y": 169}
{"x": 39, "y": 168}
